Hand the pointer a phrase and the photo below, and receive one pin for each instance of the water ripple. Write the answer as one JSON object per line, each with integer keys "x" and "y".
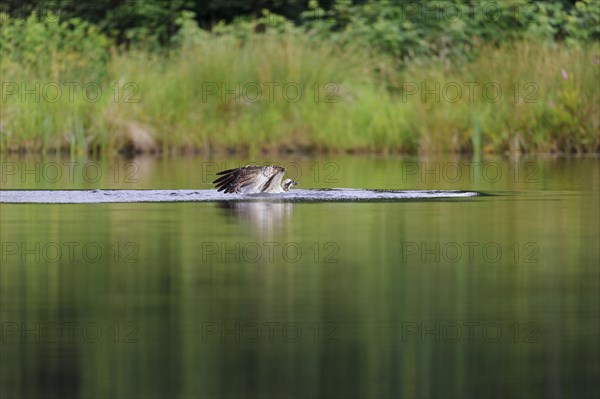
{"x": 318, "y": 195}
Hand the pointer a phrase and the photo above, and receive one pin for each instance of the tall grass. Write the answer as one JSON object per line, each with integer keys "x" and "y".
{"x": 167, "y": 102}
{"x": 549, "y": 100}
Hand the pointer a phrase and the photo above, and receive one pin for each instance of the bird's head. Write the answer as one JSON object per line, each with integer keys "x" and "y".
{"x": 288, "y": 183}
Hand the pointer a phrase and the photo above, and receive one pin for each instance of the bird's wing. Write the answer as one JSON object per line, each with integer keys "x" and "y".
{"x": 248, "y": 179}
{"x": 273, "y": 184}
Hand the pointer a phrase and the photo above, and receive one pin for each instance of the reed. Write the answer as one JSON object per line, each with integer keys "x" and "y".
{"x": 286, "y": 92}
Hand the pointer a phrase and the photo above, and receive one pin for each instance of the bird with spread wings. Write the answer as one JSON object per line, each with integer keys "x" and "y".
{"x": 253, "y": 179}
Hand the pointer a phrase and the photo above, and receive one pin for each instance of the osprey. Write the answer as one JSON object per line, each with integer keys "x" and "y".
{"x": 253, "y": 179}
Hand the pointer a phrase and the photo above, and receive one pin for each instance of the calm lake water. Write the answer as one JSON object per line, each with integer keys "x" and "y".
{"x": 494, "y": 296}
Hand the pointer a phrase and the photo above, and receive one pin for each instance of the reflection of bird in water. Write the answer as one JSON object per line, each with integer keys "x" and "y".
{"x": 254, "y": 179}
{"x": 263, "y": 216}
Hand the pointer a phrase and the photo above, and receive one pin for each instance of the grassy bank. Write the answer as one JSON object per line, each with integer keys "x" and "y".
{"x": 286, "y": 92}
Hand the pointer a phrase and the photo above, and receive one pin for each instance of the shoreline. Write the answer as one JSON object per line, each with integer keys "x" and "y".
{"x": 222, "y": 152}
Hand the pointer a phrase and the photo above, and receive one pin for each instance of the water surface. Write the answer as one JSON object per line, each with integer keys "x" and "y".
{"x": 485, "y": 296}
{"x": 298, "y": 196}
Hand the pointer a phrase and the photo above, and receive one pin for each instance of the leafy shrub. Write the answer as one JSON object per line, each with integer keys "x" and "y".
{"x": 63, "y": 49}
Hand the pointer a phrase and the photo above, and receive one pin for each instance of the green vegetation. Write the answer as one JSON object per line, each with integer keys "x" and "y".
{"x": 370, "y": 77}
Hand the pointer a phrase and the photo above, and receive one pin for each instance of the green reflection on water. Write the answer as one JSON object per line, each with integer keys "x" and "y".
{"x": 490, "y": 296}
